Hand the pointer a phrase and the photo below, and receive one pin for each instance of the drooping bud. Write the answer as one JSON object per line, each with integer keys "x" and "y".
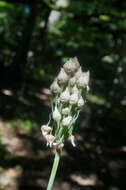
{"x": 75, "y": 90}
{"x": 73, "y": 98}
{"x": 50, "y": 139}
{"x": 78, "y": 73}
{"x": 58, "y": 145}
{"x": 80, "y": 102}
{"x": 88, "y": 88}
{"x": 73, "y": 81}
{"x": 61, "y": 145}
{"x": 83, "y": 80}
{"x": 72, "y": 139}
{"x": 66, "y": 121}
{"x": 71, "y": 65}
{"x": 65, "y": 111}
{"x": 64, "y": 97}
{"x": 56, "y": 114}
{"x": 45, "y": 129}
{"x": 55, "y": 87}
{"x": 62, "y": 77}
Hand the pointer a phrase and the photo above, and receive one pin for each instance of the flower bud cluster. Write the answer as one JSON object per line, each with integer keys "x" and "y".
{"x": 46, "y": 131}
{"x": 68, "y": 97}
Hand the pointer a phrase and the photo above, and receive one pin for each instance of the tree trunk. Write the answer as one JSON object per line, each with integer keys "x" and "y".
{"x": 20, "y": 59}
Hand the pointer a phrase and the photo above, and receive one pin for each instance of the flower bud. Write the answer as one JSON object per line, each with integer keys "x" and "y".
{"x": 83, "y": 80}
{"x": 72, "y": 139}
{"x": 66, "y": 121}
{"x": 73, "y": 98}
{"x": 88, "y": 88}
{"x": 65, "y": 111}
{"x": 62, "y": 77}
{"x": 55, "y": 144}
{"x": 73, "y": 81}
{"x": 75, "y": 90}
{"x": 55, "y": 87}
{"x": 64, "y": 97}
{"x": 78, "y": 73}
{"x": 61, "y": 145}
{"x": 71, "y": 65}
{"x": 45, "y": 129}
{"x": 50, "y": 138}
{"x": 80, "y": 102}
{"x": 58, "y": 145}
{"x": 56, "y": 114}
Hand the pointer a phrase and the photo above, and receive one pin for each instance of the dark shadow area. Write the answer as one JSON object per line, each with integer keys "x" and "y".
{"x": 99, "y": 156}
{"x": 37, "y": 37}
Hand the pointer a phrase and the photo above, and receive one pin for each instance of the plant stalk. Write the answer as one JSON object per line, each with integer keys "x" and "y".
{"x": 54, "y": 170}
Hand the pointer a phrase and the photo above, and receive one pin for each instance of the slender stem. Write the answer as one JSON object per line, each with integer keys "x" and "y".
{"x": 54, "y": 170}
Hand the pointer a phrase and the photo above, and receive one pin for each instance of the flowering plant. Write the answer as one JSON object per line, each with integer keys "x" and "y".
{"x": 68, "y": 97}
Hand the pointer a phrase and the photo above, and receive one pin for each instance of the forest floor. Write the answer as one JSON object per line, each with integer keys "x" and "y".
{"x": 25, "y": 161}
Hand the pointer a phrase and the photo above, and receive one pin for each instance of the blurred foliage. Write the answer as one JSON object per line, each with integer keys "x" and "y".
{"x": 27, "y": 125}
{"x": 37, "y": 37}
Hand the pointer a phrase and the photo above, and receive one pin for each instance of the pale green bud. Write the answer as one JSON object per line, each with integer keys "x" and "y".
{"x": 78, "y": 73}
{"x": 56, "y": 114}
{"x": 55, "y": 87}
{"x": 80, "y": 102}
{"x": 65, "y": 111}
{"x": 45, "y": 129}
{"x": 73, "y": 98}
{"x": 75, "y": 89}
{"x": 83, "y": 80}
{"x": 66, "y": 121}
{"x": 61, "y": 145}
{"x": 64, "y": 97}
{"x": 72, "y": 139}
{"x": 62, "y": 77}
{"x": 88, "y": 88}
{"x": 50, "y": 138}
{"x": 58, "y": 145}
{"x": 71, "y": 65}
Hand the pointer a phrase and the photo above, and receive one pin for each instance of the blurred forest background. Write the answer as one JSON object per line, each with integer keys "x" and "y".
{"x": 36, "y": 38}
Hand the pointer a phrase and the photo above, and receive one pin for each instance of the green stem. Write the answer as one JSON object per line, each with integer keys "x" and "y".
{"x": 54, "y": 170}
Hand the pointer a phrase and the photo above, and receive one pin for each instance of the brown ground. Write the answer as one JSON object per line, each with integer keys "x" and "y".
{"x": 98, "y": 161}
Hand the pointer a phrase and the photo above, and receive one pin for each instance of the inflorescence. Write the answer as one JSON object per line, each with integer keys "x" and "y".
{"x": 68, "y": 97}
